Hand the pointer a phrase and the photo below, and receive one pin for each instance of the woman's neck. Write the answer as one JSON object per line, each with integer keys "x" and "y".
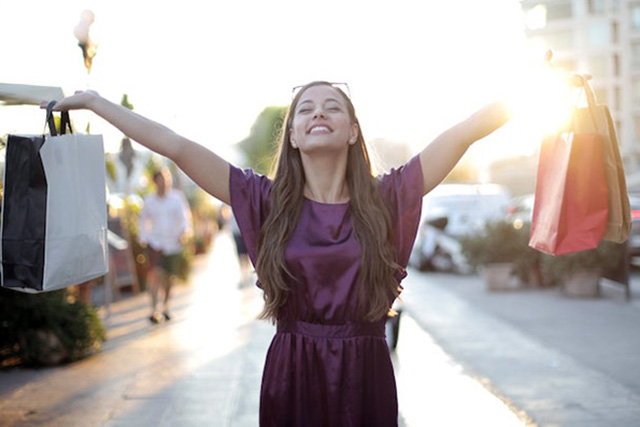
{"x": 325, "y": 179}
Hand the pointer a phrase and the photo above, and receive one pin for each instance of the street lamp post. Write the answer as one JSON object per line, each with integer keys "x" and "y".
{"x": 82, "y": 31}
{"x": 89, "y": 48}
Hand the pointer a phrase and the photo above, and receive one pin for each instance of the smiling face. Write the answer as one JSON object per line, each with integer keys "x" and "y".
{"x": 321, "y": 121}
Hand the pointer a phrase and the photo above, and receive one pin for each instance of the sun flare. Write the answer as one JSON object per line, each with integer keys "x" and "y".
{"x": 544, "y": 104}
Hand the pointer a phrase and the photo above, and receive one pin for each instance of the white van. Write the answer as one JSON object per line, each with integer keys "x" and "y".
{"x": 449, "y": 212}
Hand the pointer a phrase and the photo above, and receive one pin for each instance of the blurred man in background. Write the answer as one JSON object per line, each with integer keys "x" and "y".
{"x": 164, "y": 227}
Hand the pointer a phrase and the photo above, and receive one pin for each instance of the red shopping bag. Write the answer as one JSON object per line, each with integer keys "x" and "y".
{"x": 572, "y": 198}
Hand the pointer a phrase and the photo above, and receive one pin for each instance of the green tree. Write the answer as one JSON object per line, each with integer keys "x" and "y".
{"x": 125, "y": 102}
{"x": 261, "y": 144}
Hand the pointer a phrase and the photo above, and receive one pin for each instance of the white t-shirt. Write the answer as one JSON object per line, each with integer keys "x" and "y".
{"x": 164, "y": 220}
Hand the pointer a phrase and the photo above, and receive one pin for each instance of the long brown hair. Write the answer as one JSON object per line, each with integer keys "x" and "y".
{"x": 371, "y": 223}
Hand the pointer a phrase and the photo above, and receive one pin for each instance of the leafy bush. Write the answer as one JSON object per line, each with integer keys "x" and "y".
{"x": 497, "y": 242}
{"x": 46, "y": 328}
{"x": 606, "y": 256}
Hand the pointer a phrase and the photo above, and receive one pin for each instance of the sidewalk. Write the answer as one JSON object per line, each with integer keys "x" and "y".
{"x": 565, "y": 362}
{"x": 200, "y": 368}
{"x": 203, "y": 368}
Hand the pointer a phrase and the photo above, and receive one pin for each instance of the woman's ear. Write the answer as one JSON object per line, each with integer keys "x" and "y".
{"x": 293, "y": 143}
{"x": 353, "y": 135}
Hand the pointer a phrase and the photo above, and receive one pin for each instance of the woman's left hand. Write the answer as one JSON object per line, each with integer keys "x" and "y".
{"x": 571, "y": 78}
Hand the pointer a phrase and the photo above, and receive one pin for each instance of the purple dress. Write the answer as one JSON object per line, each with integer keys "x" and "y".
{"x": 326, "y": 367}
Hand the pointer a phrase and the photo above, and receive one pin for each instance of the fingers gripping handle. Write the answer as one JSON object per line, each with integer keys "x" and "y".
{"x": 65, "y": 121}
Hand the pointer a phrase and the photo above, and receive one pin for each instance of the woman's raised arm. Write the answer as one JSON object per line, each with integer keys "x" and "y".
{"x": 441, "y": 155}
{"x": 208, "y": 170}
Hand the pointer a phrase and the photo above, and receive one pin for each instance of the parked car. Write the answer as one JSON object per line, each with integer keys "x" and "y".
{"x": 450, "y": 212}
{"x": 521, "y": 208}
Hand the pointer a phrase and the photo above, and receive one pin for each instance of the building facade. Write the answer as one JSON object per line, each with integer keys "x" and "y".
{"x": 601, "y": 38}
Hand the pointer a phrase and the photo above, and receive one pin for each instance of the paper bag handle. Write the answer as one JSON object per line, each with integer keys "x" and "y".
{"x": 590, "y": 94}
{"x": 592, "y": 102}
{"x": 65, "y": 121}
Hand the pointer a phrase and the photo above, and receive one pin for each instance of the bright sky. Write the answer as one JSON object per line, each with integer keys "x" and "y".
{"x": 206, "y": 69}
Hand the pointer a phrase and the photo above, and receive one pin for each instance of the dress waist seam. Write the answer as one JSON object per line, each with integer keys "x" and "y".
{"x": 318, "y": 330}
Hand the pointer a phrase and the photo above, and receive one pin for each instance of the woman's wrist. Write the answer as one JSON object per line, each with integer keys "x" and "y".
{"x": 93, "y": 101}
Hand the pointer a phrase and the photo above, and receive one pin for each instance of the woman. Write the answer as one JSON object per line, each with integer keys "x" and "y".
{"x": 329, "y": 242}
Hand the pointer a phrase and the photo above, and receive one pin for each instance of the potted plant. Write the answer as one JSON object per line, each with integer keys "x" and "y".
{"x": 579, "y": 273}
{"x": 528, "y": 265}
{"x": 501, "y": 250}
{"x": 46, "y": 329}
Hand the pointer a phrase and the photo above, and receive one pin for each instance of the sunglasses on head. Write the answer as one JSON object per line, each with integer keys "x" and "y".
{"x": 344, "y": 87}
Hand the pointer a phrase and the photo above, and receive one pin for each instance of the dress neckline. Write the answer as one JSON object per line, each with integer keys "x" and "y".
{"x": 315, "y": 202}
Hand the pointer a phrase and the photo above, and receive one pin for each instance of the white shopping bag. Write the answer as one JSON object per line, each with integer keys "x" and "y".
{"x": 54, "y": 213}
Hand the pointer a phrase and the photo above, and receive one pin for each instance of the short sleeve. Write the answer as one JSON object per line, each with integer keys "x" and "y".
{"x": 250, "y": 204}
{"x": 401, "y": 191}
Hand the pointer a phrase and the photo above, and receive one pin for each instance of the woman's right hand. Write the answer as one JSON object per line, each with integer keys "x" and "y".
{"x": 202, "y": 165}
{"x": 78, "y": 101}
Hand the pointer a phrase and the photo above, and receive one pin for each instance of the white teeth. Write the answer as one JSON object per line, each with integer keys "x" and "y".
{"x": 319, "y": 129}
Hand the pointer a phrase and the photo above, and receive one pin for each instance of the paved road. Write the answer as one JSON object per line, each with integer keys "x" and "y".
{"x": 566, "y": 362}
{"x": 204, "y": 367}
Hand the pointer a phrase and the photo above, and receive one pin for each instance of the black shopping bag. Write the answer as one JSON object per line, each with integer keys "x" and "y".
{"x": 54, "y": 214}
